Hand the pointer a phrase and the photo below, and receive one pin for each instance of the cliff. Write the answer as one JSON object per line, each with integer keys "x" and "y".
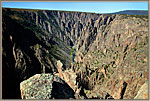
{"x": 111, "y": 50}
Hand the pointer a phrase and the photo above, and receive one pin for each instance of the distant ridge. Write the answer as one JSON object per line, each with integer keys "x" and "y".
{"x": 133, "y": 12}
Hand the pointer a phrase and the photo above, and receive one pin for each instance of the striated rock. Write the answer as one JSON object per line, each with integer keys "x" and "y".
{"x": 103, "y": 70}
{"x": 60, "y": 69}
{"x": 45, "y": 86}
{"x": 69, "y": 76}
{"x": 79, "y": 57}
{"x": 119, "y": 93}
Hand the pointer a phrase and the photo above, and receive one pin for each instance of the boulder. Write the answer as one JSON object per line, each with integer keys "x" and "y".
{"x": 38, "y": 86}
{"x": 45, "y": 86}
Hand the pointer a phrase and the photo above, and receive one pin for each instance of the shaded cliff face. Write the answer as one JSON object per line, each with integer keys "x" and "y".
{"x": 73, "y": 28}
{"x": 28, "y": 50}
{"x": 107, "y": 46}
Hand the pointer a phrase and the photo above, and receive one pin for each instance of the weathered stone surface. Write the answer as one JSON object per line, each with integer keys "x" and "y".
{"x": 79, "y": 57}
{"x": 69, "y": 76}
{"x": 38, "y": 86}
{"x": 45, "y": 86}
{"x": 143, "y": 92}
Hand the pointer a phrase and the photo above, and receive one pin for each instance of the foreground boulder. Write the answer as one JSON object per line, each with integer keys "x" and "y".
{"x": 45, "y": 86}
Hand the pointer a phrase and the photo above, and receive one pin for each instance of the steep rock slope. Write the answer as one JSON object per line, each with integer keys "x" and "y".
{"x": 120, "y": 67}
{"x": 27, "y": 50}
{"x": 107, "y": 46}
{"x": 74, "y": 28}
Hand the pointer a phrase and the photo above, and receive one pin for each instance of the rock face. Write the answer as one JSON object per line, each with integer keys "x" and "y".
{"x": 62, "y": 90}
{"x": 28, "y": 50}
{"x": 67, "y": 75}
{"x": 119, "y": 65}
{"x": 45, "y": 86}
{"x": 38, "y": 86}
{"x": 111, "y": 54}
{"x": 143, "y": 92}
{"x": 73, "y": 28}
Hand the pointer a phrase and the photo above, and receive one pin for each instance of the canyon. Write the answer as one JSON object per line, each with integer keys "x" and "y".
{"x": 94, "y": 56}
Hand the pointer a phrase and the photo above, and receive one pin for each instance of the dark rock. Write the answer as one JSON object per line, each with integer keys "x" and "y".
{"x": 108, "y": 96}
{"x": 61, "y": 90}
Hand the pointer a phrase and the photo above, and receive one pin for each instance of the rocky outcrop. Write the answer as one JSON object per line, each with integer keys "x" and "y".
{"x": 67, "y": 75}
{"x": 70, "y": 77}
{"x": 38, "y": 86}
{"x": 79, "y": 57}
{"x": 45, "y": 86}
